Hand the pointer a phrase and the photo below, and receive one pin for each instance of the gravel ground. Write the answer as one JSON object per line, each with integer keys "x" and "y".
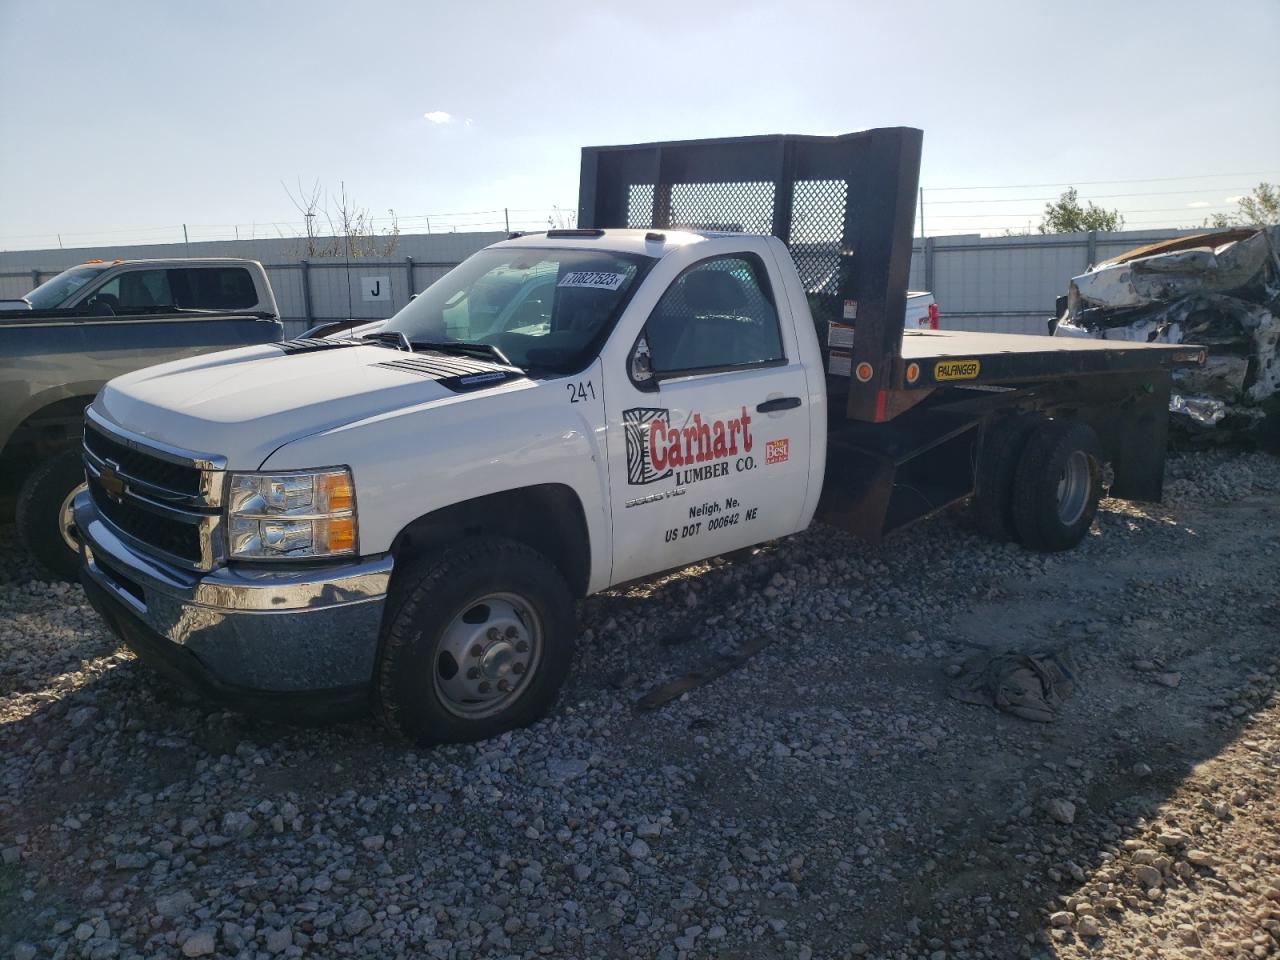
{"x": 826, "y": 799}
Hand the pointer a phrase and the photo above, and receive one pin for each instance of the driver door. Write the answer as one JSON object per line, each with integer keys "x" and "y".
{"x": 711, "y": 452}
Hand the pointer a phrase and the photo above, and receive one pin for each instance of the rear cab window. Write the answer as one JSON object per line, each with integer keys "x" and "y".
{"x": 213, "y": 288}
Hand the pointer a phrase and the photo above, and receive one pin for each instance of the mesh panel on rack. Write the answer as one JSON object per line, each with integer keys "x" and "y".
{"x": 817, "y": 228}
{"x": 640, "y": 205}
{"x": 736, "y": 207}
{"x": 817, "y": 224}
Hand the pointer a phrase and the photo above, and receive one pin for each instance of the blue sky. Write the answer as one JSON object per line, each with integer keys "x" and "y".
{"x": 123, "y": 121}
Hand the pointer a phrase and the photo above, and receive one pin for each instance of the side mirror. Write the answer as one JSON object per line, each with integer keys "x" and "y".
{"x": 640, "y": 366}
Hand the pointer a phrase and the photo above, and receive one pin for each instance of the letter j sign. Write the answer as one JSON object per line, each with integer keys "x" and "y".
{"x": 374, "y": 289}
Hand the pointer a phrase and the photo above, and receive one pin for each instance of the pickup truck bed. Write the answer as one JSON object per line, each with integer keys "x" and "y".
{"x": 949, "y": 357}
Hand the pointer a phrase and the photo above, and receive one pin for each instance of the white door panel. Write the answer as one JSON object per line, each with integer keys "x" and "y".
{"x": 697, "y": 471}
{"x": 696, "y": 467}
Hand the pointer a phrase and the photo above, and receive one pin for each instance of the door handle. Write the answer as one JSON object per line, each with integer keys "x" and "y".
{"x": 777, "y": 403}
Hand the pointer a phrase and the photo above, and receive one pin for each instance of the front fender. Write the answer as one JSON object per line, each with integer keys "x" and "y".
{"x": 17, "y": 406}
{"x": 417, "y": 460}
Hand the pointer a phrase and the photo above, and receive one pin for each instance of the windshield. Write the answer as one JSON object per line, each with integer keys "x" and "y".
{"x": 542, "y": 307}
{"x": 52, "y": 293}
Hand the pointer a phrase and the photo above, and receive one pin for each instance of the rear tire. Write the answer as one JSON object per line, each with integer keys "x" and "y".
{"x": 43, "y": 514}
{"x": 477, "y": 640}
{"x": 997, "y": 463}
{"x": 1057, "y": 485}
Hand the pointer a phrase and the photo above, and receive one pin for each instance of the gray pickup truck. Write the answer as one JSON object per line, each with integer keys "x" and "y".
{"x": 66, "y": 338}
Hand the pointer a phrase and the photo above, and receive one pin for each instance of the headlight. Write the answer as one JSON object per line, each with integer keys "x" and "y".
{"x": 292, "y": 516}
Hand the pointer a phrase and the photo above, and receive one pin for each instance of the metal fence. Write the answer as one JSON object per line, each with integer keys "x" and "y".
{"x": 1009, "y": 284}
{"x": 998, "y": 284}
{"x": 308, "y": 290}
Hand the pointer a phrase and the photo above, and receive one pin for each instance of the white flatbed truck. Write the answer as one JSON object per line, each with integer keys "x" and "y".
{"x": 401, "y": 517}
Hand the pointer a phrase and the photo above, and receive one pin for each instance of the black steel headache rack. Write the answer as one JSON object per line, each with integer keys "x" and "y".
{"x": 919, "y": 405}
{"x": 844, "y": 205}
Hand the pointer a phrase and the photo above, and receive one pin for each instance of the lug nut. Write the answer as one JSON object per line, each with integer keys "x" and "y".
{"x": 493, "y": 633}
{"x": 512, "y": 633}
{"x": 522, "y": 647}
{"x": 473, "y": 673}
{"x": 484, "y": 686}
{"x": 517, "y": 668}
{"x": 477, "y": 650}
{"x": 504, "y": 686}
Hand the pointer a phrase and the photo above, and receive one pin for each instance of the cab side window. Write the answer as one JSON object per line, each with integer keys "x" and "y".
{"x": 132, "y": 290}
{"x": 717, "y": 315}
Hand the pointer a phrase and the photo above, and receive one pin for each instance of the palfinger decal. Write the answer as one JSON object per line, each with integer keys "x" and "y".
{"x": 956, "y": 369}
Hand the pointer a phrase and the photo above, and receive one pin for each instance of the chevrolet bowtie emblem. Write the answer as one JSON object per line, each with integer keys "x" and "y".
{"x": 112, "y": 483}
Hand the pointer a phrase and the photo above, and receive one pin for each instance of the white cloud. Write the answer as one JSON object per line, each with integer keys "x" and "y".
{"x": 1234, "y": 199}
{"x": 1200, "y": 203}
{"x": 438, "y": 116}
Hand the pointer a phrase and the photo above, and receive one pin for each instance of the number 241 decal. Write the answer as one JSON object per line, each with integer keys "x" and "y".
{"x": 582, "y": 391}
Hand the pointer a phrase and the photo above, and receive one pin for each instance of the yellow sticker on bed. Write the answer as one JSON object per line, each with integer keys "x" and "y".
{"x": 956, "y": 369}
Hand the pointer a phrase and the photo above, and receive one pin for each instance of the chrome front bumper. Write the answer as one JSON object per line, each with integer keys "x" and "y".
{"x": 239, "y": 631}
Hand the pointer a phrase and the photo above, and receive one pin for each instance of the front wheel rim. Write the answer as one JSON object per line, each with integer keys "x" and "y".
{"x": 67, "y": 519}
{"x": 487, "y": 655}
{"x": 1074, "y": 484}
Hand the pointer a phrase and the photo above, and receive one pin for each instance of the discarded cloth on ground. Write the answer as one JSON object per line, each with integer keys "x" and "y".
{"x": 1032, "y": 686}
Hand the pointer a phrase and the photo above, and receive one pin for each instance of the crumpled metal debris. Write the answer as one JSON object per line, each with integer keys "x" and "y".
{"x": 1032, "y": 686}
{"x": 1221, "y": 290}
{"x": 1202, "y": 410}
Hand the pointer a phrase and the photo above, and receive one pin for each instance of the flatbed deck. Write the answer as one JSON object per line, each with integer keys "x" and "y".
{"x": 957, "y": 357}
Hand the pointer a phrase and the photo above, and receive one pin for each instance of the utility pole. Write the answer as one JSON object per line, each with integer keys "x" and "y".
{"x": 186, "y": 243}
{"x": 506, "y": 217}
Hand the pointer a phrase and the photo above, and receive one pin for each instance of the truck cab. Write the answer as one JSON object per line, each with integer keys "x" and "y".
{"x": 666, "y": 404}
{"x": 131, "y": 287}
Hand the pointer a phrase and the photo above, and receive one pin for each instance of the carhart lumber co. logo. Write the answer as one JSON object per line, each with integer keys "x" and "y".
{"x": 699, "y": 450}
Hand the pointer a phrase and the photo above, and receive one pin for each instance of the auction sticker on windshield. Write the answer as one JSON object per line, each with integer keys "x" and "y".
{"x": 593, "y": 279}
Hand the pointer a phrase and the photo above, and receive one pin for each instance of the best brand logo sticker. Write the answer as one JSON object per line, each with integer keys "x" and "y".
{"x": 777, "y": 451}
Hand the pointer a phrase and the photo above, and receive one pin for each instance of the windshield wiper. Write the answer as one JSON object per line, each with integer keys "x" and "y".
{"x": 390, "y": 338}
{"x": 463, "y": 346}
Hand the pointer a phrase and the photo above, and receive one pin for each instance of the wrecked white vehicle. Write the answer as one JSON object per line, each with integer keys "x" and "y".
{"x": 1219, "y": 289}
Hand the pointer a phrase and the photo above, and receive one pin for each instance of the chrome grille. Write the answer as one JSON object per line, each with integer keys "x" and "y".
{"x": 163, "y": 500}
{"x": 160, "y": 476}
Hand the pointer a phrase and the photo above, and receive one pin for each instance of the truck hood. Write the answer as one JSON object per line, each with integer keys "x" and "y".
{"x": 245, "y": 403}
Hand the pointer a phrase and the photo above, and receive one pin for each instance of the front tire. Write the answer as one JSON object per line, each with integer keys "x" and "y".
{"x": 43, "y": 514}
{"x": 477, "y": 640}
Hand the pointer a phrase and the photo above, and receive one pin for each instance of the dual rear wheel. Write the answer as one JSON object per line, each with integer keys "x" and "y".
{"x": 1038, "y": 481}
